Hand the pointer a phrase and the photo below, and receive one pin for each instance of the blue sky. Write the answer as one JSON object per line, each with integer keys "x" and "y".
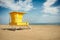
{"x": 38, "y": 11}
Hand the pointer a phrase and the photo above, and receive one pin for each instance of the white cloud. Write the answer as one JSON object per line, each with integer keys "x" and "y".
{"x": 19, "y": 5}
{"x": 51, "y": 10}
{"x": 48, "y": 3}
{"x": 48, "y": 9}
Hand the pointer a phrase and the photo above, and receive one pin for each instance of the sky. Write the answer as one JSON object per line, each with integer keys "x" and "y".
{"x": 37, "y": 11}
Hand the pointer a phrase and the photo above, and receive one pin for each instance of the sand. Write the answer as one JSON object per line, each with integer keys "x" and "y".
{"x": 37, "y": 32}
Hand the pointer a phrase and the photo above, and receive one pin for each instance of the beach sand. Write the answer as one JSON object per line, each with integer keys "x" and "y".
{"x": 37, "y": 32}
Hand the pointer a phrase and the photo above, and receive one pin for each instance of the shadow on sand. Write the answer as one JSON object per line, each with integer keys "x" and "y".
{"x": 14, "y": 29}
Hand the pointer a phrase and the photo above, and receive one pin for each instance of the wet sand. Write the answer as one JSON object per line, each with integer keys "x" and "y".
{"x": 37, "y": 32}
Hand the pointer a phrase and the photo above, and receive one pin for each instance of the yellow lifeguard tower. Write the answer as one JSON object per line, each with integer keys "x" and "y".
{"x": 16, "y": 19}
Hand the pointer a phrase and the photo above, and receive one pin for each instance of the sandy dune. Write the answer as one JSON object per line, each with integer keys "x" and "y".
{"x": 37, "y": 32}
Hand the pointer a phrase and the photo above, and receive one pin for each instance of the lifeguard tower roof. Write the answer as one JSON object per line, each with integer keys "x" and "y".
{"x": 17, "y": 13}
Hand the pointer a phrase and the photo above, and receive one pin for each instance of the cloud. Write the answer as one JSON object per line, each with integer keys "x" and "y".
{"x": 48, "y": 3}
{"x": 19, "y": 5}
{"x": 47, "y": 7}
{"x": 51, "y": 10}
